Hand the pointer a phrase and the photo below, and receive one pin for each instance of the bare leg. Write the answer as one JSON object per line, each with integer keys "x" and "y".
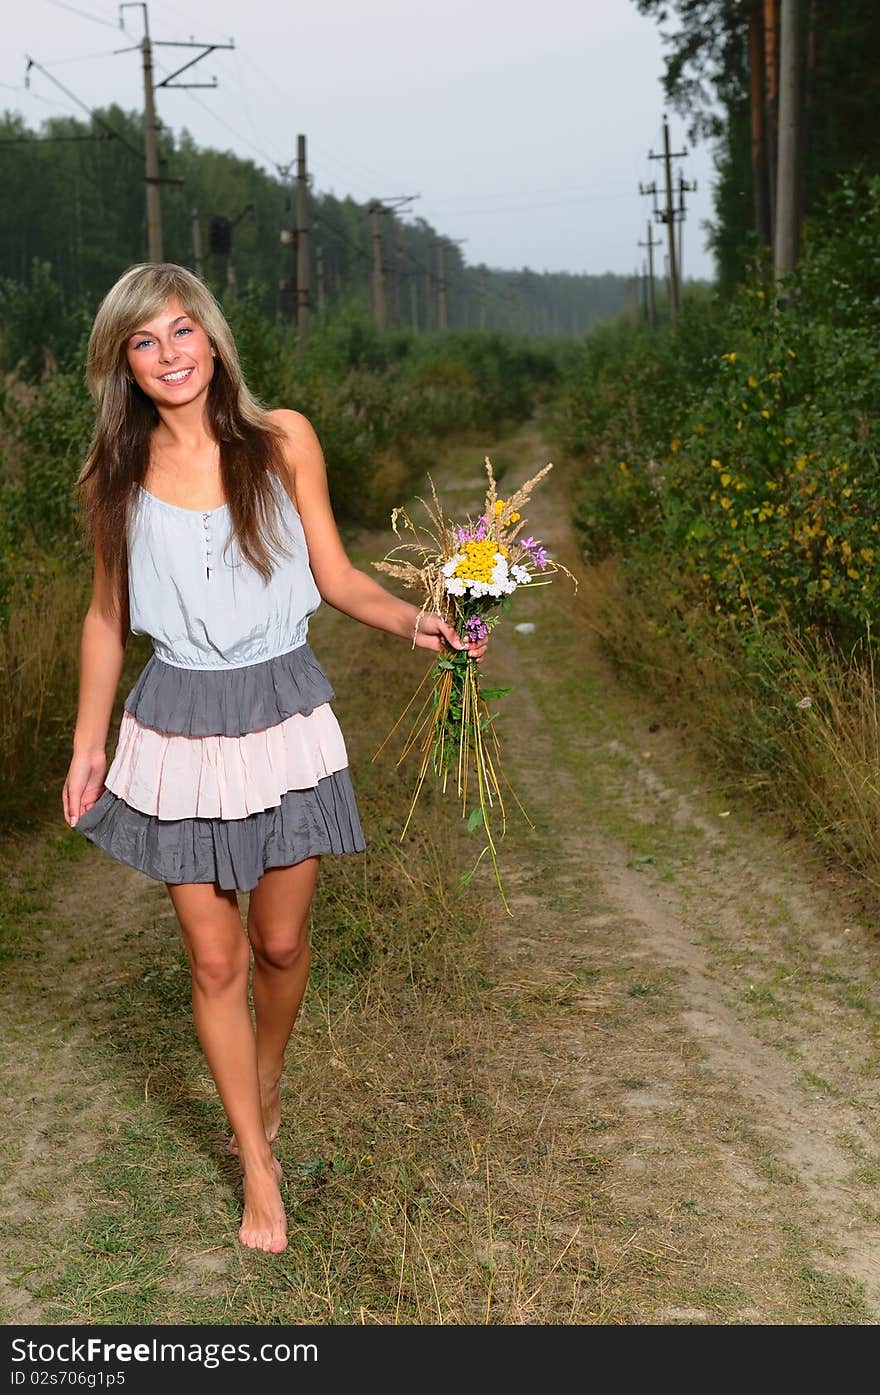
{"x": 278, "y": 924}
{"x": 219, "y": 957}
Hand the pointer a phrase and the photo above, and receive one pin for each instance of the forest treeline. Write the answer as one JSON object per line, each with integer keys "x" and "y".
{"x": 723, "y": 77}
{"x": 73, "y": 202}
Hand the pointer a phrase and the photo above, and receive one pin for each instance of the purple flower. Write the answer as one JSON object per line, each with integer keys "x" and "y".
{"x": 476, "y": 628}
{"x": 540, "y": 558}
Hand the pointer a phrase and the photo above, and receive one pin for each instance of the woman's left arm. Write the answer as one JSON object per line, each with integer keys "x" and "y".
{"x": 340, "y": 583}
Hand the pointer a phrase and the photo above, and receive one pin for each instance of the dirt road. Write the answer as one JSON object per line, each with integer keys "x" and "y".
{"x": 677, "y": 1081}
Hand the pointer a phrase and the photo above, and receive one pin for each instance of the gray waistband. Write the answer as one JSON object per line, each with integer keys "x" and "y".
{"x": 228, "y": 702}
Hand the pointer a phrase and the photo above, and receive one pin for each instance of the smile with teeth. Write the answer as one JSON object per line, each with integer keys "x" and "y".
{"x": 178, "y": 376}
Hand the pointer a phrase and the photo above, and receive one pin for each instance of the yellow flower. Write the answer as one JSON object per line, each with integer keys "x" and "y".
{"x": 753, "y": 381}
{"x": 867, "y": 554}
{"x": 674, "y": 444}
{"x": 623, "y": 467}
{"x": 852, "y": 573}
{"x": 725, "y": 479}
{"x": 725, "y": 502}
{"x": 716, "y": 464}
{"x": 728, "y": 358}
{"x": 765, "y": 414}
{"x": 500, "y": 506}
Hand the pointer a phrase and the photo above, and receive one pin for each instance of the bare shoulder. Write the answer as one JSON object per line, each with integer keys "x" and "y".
{"x": 296, "y": 428}
{"x": 302, "y": 449}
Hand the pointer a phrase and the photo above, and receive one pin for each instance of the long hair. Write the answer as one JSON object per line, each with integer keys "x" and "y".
{"x": 119, "y": 452}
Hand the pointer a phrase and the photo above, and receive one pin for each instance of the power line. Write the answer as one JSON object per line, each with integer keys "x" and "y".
{"x": 32, "y": 63}
{"x": 84, "y": 14}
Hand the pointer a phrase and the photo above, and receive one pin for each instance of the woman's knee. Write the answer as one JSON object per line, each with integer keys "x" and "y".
{"x": 279, "y": 946}
{"x": 217, "y": 968}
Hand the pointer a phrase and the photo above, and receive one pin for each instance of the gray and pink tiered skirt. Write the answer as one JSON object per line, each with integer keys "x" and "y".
{"x": 220, "y": 774}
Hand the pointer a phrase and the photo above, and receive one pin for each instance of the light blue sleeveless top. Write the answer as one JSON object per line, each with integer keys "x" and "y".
{"x": 202, "y": 604}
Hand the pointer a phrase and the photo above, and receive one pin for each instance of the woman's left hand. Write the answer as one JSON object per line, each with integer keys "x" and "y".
{"x": 436, "y": 633}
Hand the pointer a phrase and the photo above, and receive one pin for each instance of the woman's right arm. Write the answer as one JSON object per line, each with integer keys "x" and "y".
{"x": 102, "y": 650}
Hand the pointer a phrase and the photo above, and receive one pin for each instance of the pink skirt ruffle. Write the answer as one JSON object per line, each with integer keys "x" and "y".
{"x": 226, "y": 777}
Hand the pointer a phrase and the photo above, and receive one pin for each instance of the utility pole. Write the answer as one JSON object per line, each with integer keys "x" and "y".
{"x": 441, "y": 285}
{"x": 683, "y": 188}
{"x": 151, "y": 150}
{"x": 378, "y": 288}
{"x": 376, "y": 207}
{"x": 667, "y": 215}
{"x": 757, "y": 132}
{"x": 442, "y": 305}
{"x": 152, "y": 177}
{"x": 302, "y": 246}
{"x": 482, "y": 300}
{"x": 786, "y": 240}
{"x": 429, "y": 297}
{"x": 196, "y": 226}
{"x": 287, "y": 281}
{"x": 652, "y": 299}
{"x": 319, "y": 268}
{"x": 398, "y": 274}
{"x": 414, "y": 302}
{"x": 771, "y": 100}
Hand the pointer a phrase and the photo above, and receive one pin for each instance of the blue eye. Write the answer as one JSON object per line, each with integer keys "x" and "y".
{"x": 141, "y": 342}
{"x": 184, "y": 329}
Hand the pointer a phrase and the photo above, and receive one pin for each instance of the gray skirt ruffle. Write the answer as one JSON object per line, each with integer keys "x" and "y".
{"x": 232, "y": 852}
{"x": 228, "y": 701}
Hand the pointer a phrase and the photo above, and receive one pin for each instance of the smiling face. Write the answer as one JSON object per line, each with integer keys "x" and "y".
{"x": 170, "y": 357}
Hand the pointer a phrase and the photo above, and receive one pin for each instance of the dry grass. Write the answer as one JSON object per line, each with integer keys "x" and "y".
{"x": 430, "y": 1178}
{"x": 39, "y": 668}
{"x": 793, "y": 724}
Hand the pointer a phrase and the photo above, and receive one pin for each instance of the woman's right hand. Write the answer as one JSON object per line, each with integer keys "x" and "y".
{"x": 84, "y": 785}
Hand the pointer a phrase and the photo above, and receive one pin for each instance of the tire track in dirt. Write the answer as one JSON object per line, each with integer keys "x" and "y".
{"x": 777, "y": 1109}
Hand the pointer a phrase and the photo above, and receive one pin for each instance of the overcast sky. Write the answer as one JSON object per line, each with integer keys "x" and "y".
{"x": 524, "y": 125}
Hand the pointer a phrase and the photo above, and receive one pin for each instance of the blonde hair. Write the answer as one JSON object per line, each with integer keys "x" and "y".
{"x": 119, "y": 452}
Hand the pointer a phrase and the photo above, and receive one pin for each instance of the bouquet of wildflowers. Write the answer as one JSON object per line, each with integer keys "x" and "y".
{"x": 466, "y": 572}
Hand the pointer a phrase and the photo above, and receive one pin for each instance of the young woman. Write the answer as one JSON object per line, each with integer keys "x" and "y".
{"x": 213, "y": 534}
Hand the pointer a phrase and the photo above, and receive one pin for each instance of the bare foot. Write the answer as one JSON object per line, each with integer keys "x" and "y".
{"x": 270, "y": 1098}
{"x": 263, "y": 1224}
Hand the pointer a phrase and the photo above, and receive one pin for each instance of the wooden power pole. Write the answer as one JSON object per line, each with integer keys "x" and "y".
{"x": 482, "y": 300}
{"x": 758, "y": 141}
{"x": 787, "y": 200}
{"x": 669, "y": 216}
{"x": 319, "y": 270}
{"x": 196, "y": 226}
{"x": 771, "y": 102}
{"x": 151, "y": 151}
{"x": 302, "y": 246}
{"x": 152, "y": 177}
{"x": 378, "y": 286}
{"x": 442, "y": 322}
{"x": 652, "y": 298}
